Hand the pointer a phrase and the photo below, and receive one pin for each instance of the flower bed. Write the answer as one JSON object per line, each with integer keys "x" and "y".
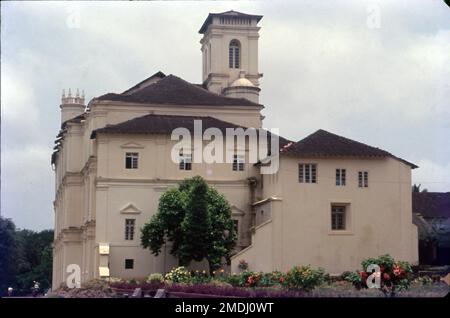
{"x": 394, "y": 278}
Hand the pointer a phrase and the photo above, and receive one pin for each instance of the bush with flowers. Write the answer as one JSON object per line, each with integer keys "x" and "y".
{"x": 178, "y": 275}
{"x": 155, "y": 278}
{"x": 394, "y": 275}
{"x": 271, "y": 279}
{"x": 243, "y": 265}
{"x": 199, "y": 277}
{"x": 303, "y": 278}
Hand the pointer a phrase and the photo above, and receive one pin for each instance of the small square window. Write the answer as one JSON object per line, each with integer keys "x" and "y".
{"x": 131, "y": 160}
{"x": 129, "y": 263}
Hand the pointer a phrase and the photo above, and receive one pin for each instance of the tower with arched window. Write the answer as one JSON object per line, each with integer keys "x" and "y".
{"x": 230, "y": 54}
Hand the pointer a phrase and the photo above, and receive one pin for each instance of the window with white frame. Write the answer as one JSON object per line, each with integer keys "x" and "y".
{"x": 129, "y": 229}
{"x": 340, "y": 177}
{"x": 307, "y": 173}
{"x": 234, "y": 54}
{"x": 238, "y": 163}
{"x": 338, "y": 215}
{"x": 363, "y": 179}
{"x": 131, "y": 160}
{"x": 185, "y": 161}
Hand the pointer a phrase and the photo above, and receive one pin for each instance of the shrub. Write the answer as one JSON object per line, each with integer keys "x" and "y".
{"x": 271, "y": 279}
{"x": 424, "y": 280}
{"x": 199, "y": 277}
{"x": 352, "y": 277}
{"x": 243, "y": 265}
{"x": 178, "y": 275}
{"x": 304, "y": 278}
{"x": 236, "y": 280}
{"x": 155, "y": 278}
{"x": 394, "y": 275}
{"x": 251, "y": 278}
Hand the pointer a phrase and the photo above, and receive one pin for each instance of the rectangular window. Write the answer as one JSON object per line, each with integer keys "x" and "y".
{"x": 131, "y": 160}
{"x": 129, "y": 263}
{"x": 185, "y": 161}
{"x": 236, "y": 57}
{"x": 230, "y": 57}
{"x": 307, "y": 173}
{"x": 340, "y": 177}
{"x": 129, "y": 229}
{"x": 238, "y": 163}
{"x": 363, "y": 179}
{"x": 338, "y": 218}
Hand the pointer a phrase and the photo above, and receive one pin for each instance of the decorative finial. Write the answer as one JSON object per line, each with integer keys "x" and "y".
{"x": 78, "y": 93}
{"x": 70, "y": 93}
{"x": 63, "y": 93}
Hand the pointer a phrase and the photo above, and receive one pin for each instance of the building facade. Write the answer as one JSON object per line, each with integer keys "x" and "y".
{"x": 332, "y": 202}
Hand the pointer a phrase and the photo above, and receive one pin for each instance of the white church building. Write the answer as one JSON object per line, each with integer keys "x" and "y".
{"x": 332, "y": 202}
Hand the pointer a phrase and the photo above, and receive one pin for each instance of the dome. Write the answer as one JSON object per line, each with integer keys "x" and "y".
{"x": 240, "y": 82}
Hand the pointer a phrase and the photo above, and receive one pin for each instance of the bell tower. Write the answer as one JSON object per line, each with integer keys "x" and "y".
{"x": 71, "y": 106}
{"x": 230, "y": 52}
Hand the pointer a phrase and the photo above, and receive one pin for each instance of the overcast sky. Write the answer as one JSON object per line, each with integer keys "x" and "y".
{"x": 375, "y": 71}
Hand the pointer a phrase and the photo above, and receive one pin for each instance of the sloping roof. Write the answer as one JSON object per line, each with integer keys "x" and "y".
{"x": 325, "y": 144}
{"x": 176, "y": 91}
{"x": 157, "y": 75}
{"x": 431, "y": 204}
{"x": 165, "y": 124}
{"x": 230, "y": 13}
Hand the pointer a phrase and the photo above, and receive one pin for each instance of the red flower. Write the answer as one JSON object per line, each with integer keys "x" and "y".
{"x": 363, "y": 276}
{"x": 281, "y": 279}
{"x": 386, "y": 276}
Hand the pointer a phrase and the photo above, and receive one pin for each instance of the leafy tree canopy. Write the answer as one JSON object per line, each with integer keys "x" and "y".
{"x": 196, "y": 220}
{"x": 25, "y": 256}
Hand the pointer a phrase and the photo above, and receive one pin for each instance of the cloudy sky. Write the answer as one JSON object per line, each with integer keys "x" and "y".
{"x": 374, "y": 71}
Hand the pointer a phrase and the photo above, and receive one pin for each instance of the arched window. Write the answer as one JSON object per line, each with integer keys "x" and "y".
{"x": 234, "y": 54}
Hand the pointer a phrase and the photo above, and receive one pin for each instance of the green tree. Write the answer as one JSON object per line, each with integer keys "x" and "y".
{"x": 25, "y": 256}
{"x": 196, "y": 225}
{"x": 7, "y": 254}
{"x": 196, "y": 219}
{"x": 34, "y": 259}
